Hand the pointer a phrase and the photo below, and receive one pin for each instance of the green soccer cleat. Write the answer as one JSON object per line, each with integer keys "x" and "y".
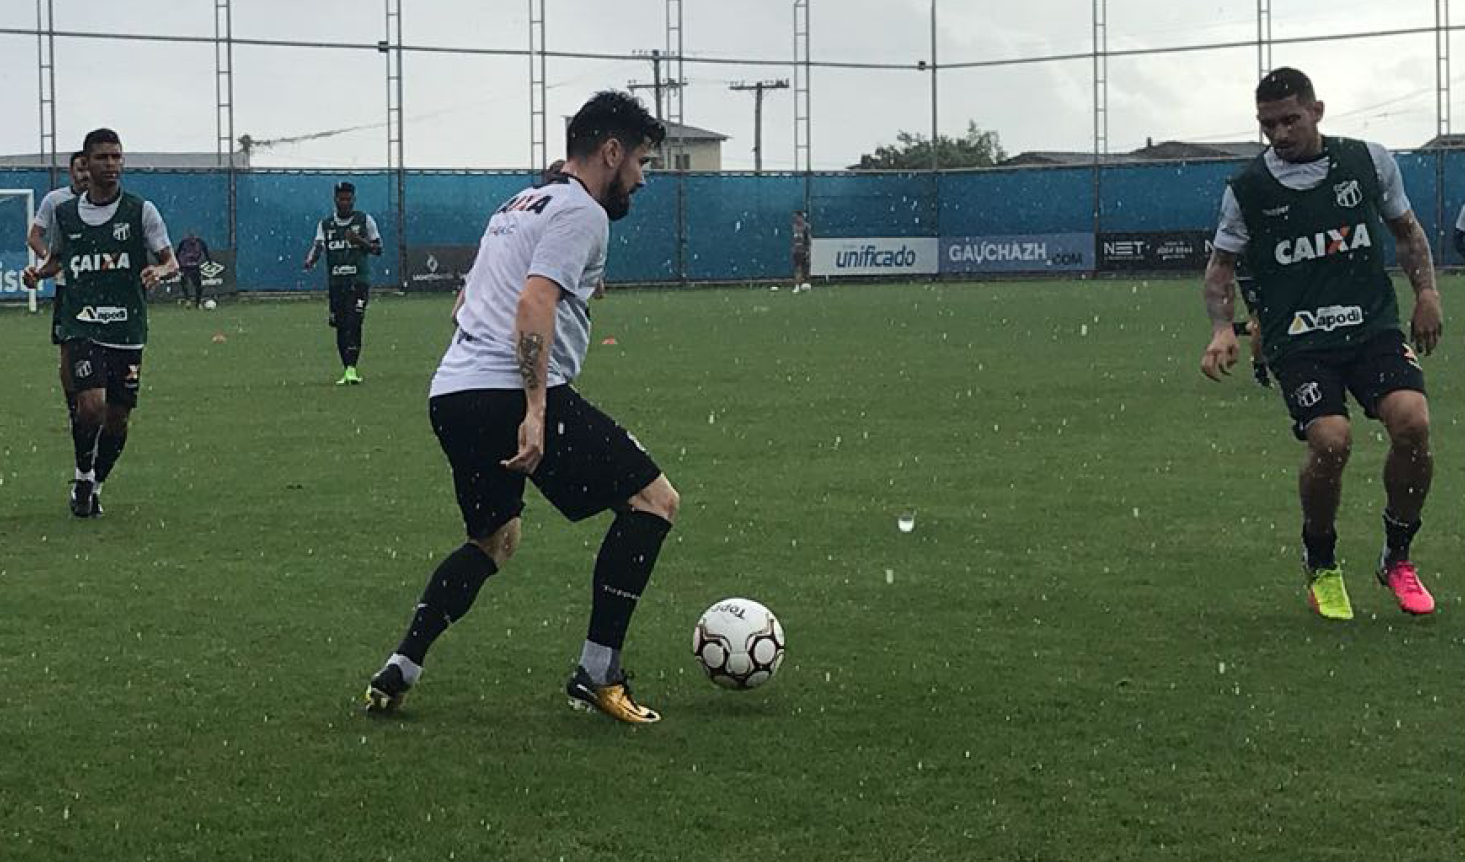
{"x": 1327, "y": 595}
{"x": 351, "y": 377}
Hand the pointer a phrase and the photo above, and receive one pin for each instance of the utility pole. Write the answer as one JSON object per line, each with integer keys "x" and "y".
{"x": 757, "y": 88}
{"x": 657, "y": 83}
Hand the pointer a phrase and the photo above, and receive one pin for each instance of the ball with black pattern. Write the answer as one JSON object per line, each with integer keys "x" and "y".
{"x": 739, "y": 643}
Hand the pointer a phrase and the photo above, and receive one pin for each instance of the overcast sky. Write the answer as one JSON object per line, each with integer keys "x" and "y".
{"x": 473, "y": 111}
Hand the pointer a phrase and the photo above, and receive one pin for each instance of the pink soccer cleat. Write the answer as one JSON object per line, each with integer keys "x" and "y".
{"x": 1403, "y": 580}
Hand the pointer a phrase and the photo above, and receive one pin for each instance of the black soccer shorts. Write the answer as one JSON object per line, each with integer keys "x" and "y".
{"x": 590, "y": 463}
{"x": 1313, "y": 384}
{"x": 347, "y": 303}
{"x": 94, "y": 366}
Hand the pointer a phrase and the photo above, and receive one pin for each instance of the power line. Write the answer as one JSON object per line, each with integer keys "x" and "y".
{"x": 913, "y": 65}
{"x": 1209, "y": 46}
{"x": 1364, "y": 112}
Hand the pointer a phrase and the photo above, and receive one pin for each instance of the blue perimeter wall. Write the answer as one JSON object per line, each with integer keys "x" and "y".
{"x": 736, "y": 224}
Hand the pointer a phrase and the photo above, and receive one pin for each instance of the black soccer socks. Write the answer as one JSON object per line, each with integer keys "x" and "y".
{"x": 348, "y": 340}
{"x": 449, "y": 594}
{"x": 109, "y": 449}
{"x": 1397, "y": 537}
{"x": 1321, "y": 551}
{"x": 84, "y": 442}
{"x": 622, "y": 569}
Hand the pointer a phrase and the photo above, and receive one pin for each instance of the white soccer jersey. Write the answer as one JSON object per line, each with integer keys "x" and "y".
{"x": 46, "y": 212}
{"x": 557, "y": 231}
{"x": 45, "y": 218}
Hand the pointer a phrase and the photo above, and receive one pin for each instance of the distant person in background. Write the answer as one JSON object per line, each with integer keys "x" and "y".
{"x": 551, "y": 173}
{"x": 39, "y": 239}
{"x": 346, "y": 238}
{"x": 192, "y": 254}
{"x": 1460, "y": 232}
{"x": 801, "y": 241}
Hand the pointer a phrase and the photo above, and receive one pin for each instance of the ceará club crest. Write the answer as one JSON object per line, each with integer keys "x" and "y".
{"x": 1348, "y": 194}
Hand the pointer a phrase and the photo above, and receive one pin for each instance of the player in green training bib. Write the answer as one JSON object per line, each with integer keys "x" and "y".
{"x": 38, "y": 238}
{"x": 347, "y": 238}
{"x": 1310, "y": 217}
{"x": 102, "y": 240}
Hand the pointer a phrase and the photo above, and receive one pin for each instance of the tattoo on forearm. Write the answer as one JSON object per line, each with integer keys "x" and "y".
{"x": 1416, "y": 260}
{"x": 1220, "y": 303}
{"x": 531, "y": 347}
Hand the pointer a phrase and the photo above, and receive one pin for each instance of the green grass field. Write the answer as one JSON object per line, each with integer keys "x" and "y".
{"x": 1094, "y": 646}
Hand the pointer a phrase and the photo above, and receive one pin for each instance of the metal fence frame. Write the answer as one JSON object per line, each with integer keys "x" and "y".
{"x": 800, "y": 67}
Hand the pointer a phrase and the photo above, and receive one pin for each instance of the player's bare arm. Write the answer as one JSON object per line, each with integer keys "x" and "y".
{"x": 314, "y": 254}
{"x": 34, "y": 275}
{"x": 1220, "y": 296}
{"x": 534, "y": 322}
{"x": 166, "y": 266}
{"x": 1413, "y": 253}
{"x": 36, "y": 239}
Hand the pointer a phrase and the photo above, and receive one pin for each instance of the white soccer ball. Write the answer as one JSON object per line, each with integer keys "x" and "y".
{"x": 210, "y": 304}
{"x": 739, "y": 643}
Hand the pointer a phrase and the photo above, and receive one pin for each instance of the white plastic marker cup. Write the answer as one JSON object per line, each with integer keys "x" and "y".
{"x": 905, "y": 521}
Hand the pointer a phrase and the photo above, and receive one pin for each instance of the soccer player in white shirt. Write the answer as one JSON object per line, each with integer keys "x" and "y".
{"x": 504, "y": 409}
{"x": 39, "y": 240}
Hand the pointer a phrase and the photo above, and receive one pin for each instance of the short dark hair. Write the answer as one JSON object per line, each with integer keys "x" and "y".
{"x": 611, "y": 114}
{"x": 79, "y": 154}
{"x": 98, "y": 136}
{"x": 1283, "y": 82}
{"x": 344, "y": 186}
